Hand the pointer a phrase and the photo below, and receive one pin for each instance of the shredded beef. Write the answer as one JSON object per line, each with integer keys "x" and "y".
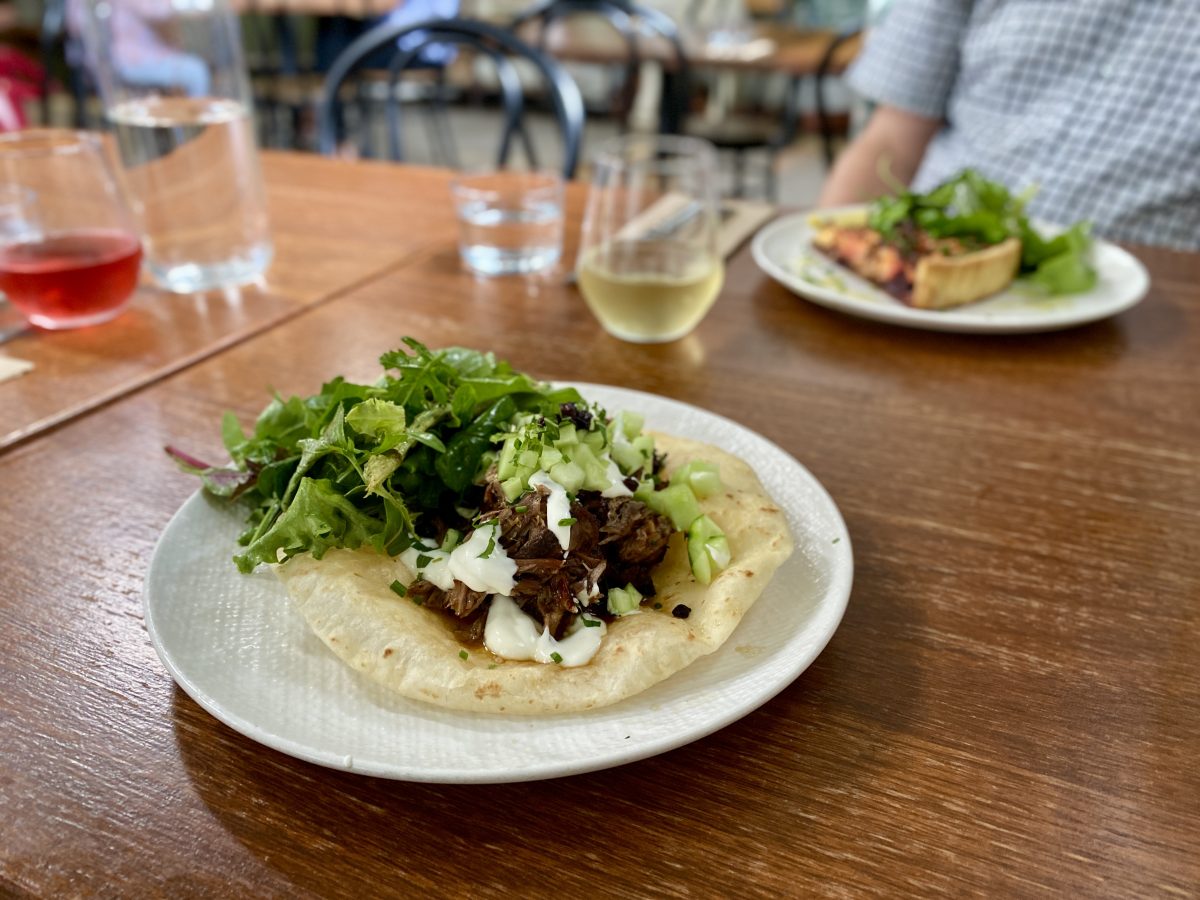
{"x": 615, "y": 541}
{"x": 633, "y": 539}
{"x": 459, "y": 600}
{"x": 546, "y": 584}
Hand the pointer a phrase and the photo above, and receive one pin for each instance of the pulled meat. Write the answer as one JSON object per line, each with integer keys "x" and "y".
{"x": 464, "y": 606}
{"x": 547, "y": 585}
{"x": 633, "y": 539}
{"x": 615, "y": 541}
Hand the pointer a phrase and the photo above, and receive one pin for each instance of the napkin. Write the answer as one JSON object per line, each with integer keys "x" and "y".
{"x": 11, "y": 367}
{"x": 739, "y": 220}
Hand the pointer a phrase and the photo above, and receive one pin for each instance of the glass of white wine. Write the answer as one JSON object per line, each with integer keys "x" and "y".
{"x": 648, "y": 265}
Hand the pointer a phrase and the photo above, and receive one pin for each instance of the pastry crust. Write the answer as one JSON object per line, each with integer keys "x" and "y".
{"x": 945, "y": 281}
{"x": 940, "y": 275}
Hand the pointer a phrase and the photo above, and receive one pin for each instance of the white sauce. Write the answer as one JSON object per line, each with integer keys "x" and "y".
{"x": 558, "y": 507}
{"x": 493, "y": 575}
{"x": 511, "y": 634}
{"x": 437, "y": 568}
{"x": 617, "y": 487}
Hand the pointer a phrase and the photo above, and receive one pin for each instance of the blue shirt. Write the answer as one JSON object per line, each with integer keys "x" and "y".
{"x": 1095, "y": 101}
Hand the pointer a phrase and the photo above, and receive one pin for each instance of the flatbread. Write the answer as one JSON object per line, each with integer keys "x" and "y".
{"x": 346, "y": 599}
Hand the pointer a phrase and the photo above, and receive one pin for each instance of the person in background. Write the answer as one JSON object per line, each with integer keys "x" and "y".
{"x": 1096, "y": 102}
{"x": 140, "y": 56}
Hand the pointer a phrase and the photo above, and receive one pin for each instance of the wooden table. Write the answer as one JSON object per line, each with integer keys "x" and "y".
{"x": 763, "y": 47}
{"x": 1011, "y": 706}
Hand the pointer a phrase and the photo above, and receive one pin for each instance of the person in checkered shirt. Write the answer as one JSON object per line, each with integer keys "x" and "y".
{"x": 1097, "y": 102}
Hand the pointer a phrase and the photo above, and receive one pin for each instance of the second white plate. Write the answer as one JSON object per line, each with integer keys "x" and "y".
{"x": 783, "y": 249}
{"x": 235, "y": 644}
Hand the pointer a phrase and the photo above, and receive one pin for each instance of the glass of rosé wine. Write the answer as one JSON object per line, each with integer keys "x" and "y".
{"x": 69, "y": 253}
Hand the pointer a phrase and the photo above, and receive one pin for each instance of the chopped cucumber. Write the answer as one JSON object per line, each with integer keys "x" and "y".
{"x": 676, "y": 502}
{"x": 450, "y": 541}
{"x": 708, "y": 549}
{"x": 631, "y": 424}
{"x": 550, "y": 458}
{"x": 506, "y": 465}
{"x": 626, "y": 458}
{"x": 623, "y": 601}
{"x": 644, "y": 444}
{"x": 569, "y": 474}
{"x": 594, "y": 439}
{"x": 702, "y": 477}
{"x": 566, "y": 435}
{"x": 514, "y": 487}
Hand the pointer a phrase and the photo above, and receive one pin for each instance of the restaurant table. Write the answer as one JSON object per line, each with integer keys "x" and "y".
{"x": 763, "y": 47}
{"x": 1010, "y": 707}
{"x": 334, "y": 227}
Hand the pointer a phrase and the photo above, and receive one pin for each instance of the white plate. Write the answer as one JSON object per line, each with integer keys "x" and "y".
{"x": 784, "y": 251}
{"x": 236, "y": 646}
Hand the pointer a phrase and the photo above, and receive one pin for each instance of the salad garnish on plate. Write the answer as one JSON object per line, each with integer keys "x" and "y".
{"x": 965, "y": 240}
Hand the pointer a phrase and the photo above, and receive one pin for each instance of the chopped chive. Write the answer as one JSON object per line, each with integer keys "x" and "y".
{"x": 462, "y": 654}
{"x": 423, "y": 561}
{"x": 419, "y": 600}
{"x": 492, "y": 666}
{"x": 522, "y": 509}
{"x": 836, "y": 539}
{"x": 569, "y": 520}
{"x": 591, "y": 623}
{"x": 557, "y": 657}
{"x": 399, "y": 588}
{"x": 486, "y": 554}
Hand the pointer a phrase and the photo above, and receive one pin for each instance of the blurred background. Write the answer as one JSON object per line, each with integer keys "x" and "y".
{"x": 762, "y": 77}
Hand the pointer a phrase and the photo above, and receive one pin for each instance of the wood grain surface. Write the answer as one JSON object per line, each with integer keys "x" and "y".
{"x": 1011, "y": 706}
{"x": 334, "y": 226}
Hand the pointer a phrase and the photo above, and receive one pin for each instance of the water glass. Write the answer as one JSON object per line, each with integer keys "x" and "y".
{"x": 69, "y": 253}
{"x": 184, "y": 125}
{"x": 510, "y": 223}
{"x": 649, "y": 268}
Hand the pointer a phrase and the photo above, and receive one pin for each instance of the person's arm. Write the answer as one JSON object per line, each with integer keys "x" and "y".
{"x": 893, "y": 138}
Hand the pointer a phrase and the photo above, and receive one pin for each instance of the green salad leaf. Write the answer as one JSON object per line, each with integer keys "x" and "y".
{"x": 980, "y": 213}
{"x": 360, "y": 464}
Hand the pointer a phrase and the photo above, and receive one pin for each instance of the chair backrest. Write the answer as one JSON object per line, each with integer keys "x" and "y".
{"x": 498, "y": 44}
{"x": 630, "y": 20}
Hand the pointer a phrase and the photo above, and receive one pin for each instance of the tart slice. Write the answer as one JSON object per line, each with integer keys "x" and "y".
{"x": 916, "y": 268}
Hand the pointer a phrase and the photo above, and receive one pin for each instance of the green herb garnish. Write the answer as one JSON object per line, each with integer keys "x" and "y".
{"x": 980, "y": 213}
{"x": 462, "y": 654}
{"x": 355, "y": 465}
{"x": 399, "y": 588}
{"x": 557, "y": 657}
{"x": 491, "y": 545}
{"x": 570, "y": 520}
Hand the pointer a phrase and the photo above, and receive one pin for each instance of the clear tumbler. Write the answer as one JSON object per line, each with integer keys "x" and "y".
{"x": 175, "y": 88}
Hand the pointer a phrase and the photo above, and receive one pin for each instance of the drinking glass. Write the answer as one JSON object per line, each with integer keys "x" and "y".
{"x": 510, "y": 223}
{"x": 69, "y": 253}
{"x": 648, "y": 267}
{"x": 184, "y": 125}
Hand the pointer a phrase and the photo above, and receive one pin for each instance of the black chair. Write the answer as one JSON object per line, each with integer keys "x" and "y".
{"x": 734, "y": 135}
{"x": 497, "y": 44}
{"x": 631, "y": 22}
{"x": 824, "y": 71}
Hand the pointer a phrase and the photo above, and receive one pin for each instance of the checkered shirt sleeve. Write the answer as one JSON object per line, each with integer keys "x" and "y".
{"x": 911, "y": 58}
